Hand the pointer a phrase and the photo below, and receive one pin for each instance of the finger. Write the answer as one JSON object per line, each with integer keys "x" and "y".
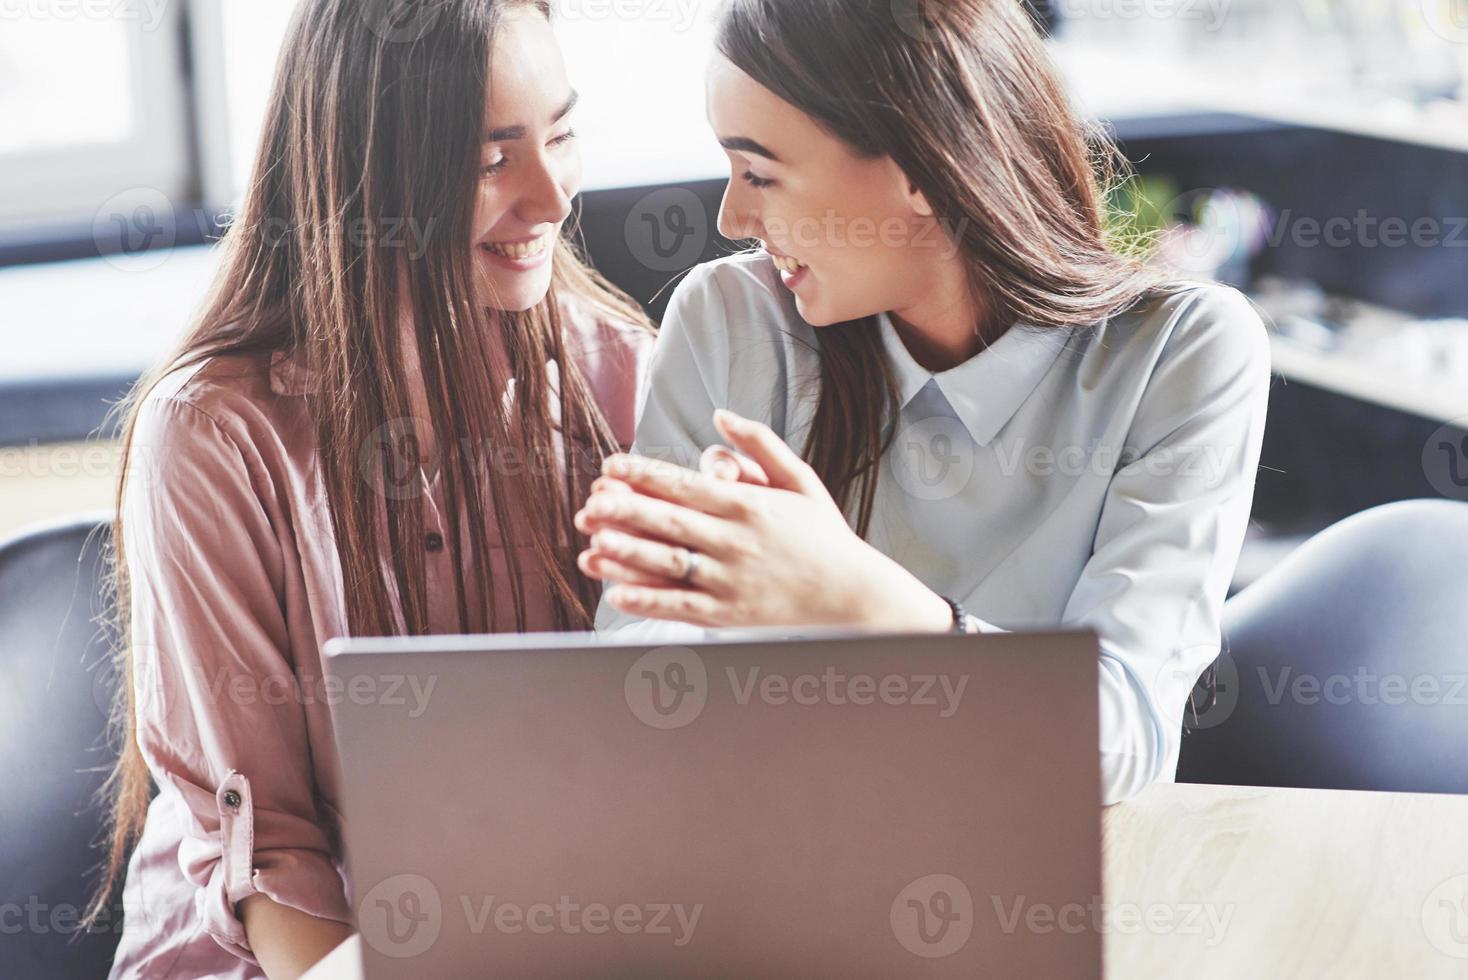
{"x": 595, "y": 565}
{"x": 605, "y": 484}
{"x": 588, "y": 525}
{"x": 660, "y": 520}
{"x": 678, "y": 605}
{"x": 653, "y": 558}
{"x": 720, "y": 466}
{"x": 677, "y": 484}
{"x": 723, "y": 463}
{"x": 786, "y": 470}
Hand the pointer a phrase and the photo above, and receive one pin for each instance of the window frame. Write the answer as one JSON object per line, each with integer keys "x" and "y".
{"x": 66, "y": 186}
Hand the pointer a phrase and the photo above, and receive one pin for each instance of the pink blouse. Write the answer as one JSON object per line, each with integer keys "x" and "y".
{"x": 236, "y": 587}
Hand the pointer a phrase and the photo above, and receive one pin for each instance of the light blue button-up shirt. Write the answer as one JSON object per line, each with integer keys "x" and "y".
{"x": 1097, "y": 477}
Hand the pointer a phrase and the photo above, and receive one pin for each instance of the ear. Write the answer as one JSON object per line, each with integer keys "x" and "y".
{"x": 916, "y": 199}
{"x": 904, "y": 186}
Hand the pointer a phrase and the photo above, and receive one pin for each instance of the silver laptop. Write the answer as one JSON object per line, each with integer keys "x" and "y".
{"x": 560, "y": 805}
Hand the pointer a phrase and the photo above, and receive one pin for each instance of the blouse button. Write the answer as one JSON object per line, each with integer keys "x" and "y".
{"x": 434, "y": 541}
{"x": 232, "y": 800}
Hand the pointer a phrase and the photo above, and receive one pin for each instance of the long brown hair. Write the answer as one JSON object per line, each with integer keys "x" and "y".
{"x": 962, "y": 95}
{"x": 377, "y": 124}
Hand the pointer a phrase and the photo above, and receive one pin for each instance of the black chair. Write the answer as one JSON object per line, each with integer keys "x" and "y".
{"x": 56, "y": 684}
{"x": 1346, "y": 666}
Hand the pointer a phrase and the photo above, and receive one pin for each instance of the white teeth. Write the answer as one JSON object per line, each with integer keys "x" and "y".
{"x": 787, "y": 265}
{"x": 523, "y": 250}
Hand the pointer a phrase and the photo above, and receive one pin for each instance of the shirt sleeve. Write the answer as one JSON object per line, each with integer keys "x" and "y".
{"x": 218, "y": 719}
{"x": 687, "y": 380}
{"x": 1170, "y": 533}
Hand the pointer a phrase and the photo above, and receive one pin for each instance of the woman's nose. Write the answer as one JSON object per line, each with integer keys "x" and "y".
{"x": 547, "y": 197}
{"x": 736, "y": 219}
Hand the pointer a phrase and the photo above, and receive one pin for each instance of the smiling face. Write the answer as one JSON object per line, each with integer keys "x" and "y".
{"x": 851, "y": 236}
{"x": 530, "y": 167}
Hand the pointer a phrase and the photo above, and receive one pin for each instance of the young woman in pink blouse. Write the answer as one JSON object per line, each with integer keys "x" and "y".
{"x": 382, "y": 423}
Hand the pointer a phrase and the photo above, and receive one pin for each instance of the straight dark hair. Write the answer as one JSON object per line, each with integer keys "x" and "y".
{"x": 356, "y": 101}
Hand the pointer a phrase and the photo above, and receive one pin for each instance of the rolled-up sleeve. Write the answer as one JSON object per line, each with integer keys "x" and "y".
{"x": 218, "y": 721}
{"x": 1170, "y": 533}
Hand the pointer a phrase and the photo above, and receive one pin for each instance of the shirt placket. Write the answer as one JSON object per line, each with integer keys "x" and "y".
{"x": 438, "y": 570}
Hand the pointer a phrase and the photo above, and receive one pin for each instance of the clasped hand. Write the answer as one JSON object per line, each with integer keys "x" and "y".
{"x": 765, "y": 544}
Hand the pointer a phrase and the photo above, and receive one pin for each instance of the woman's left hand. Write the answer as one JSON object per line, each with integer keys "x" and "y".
{"x": 776, "y": 555}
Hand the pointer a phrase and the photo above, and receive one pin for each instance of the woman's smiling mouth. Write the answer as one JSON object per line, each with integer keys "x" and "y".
{"x": 522, "y": 255}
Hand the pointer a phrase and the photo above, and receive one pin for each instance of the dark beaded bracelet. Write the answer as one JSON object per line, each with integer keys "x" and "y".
{"x": 960, "y": 618}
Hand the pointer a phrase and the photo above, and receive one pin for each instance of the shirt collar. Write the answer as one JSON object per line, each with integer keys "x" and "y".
{"x": 986, "y": 390}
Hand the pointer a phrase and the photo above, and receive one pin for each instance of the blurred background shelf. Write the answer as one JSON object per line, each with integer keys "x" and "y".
{"x": 77, "y": 334}
{"x": 1342, "y": 374}
{"x": 1257, "y": 114}
{"x": 1192, "y": 83}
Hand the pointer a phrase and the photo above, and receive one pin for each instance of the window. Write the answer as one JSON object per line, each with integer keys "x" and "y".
{"x": 641, "y": 82}
{"x": 93, "y": 106}
{"x": 238, "y": 43}
{"x": 101, "y": 123}
{"x": 635, "y": 127}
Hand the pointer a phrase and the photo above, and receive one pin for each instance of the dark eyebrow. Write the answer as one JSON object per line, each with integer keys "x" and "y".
{"x": 743, "y": 144}
{"x": 511, "y": 133}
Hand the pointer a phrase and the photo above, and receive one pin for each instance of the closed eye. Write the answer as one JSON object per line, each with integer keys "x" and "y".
{"x": 757, "y": 182}
{"x": 564, "y": 139}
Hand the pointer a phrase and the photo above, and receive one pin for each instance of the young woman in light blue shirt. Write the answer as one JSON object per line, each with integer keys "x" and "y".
{"x": 952, "y": 403}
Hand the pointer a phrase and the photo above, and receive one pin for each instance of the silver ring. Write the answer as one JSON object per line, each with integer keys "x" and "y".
{"x": 692, "y": 568}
